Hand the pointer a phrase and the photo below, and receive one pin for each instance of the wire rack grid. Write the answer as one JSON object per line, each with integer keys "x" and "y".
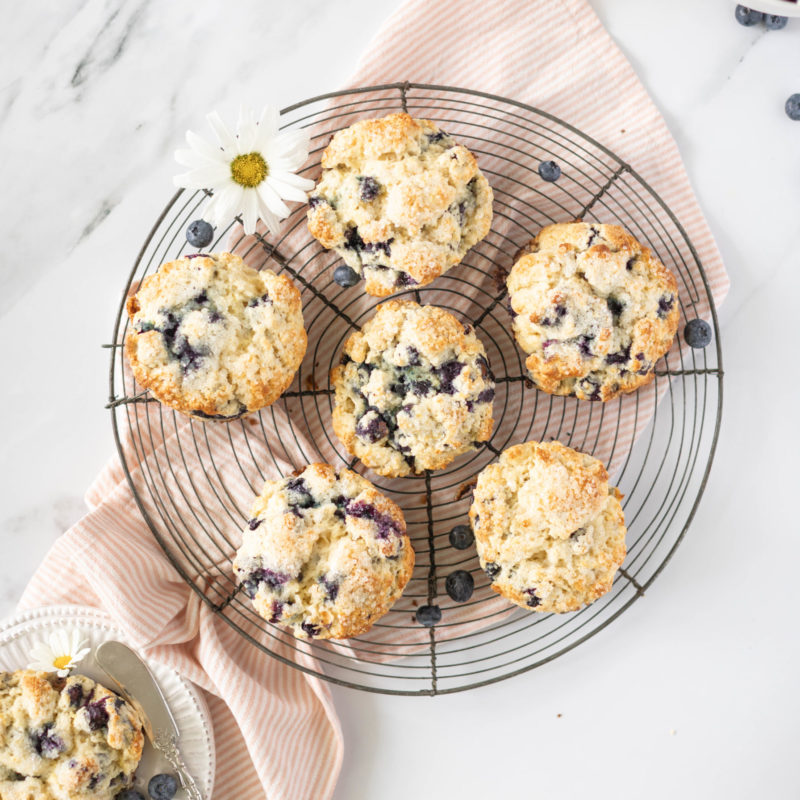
{"x": 194, "y": 481}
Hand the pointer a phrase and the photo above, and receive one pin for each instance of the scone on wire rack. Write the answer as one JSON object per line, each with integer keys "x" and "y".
{"x": 593, "y": 308}
{"x": 214, "y": 338}
{"x": 65, "y": 738}
{"x": 325, "y": 553}
{"x": 413, "y": 390}
{"x": 400, "y": 201}
{"x": 549, "y": 530}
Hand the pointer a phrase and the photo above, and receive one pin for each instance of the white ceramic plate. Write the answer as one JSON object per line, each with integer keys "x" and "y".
{"x": 18, "y": 635}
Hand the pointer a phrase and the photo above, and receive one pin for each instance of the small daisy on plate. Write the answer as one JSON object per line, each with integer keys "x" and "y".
{"x": 251, "y": 172}
{"x": 60, "y": 653}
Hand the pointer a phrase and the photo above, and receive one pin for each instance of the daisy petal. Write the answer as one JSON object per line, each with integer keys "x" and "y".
{"x": 289, "y": 141}
{"x": 249, "y": 211}
{"x": 226, "y": 138}
{"x": 224, "y": 205}
{"x": 269, "y": 120}
{"x": 295, "y": 181}
{"x": 189, "y": 158}
{"x": 204, "y": 177}
{"x": 200, "y": 146}
{"x": 246, "y": 130}
{"x": 272, "y": 200}
{"x": 270, "y": 220}
{"x": 286, "y": 190}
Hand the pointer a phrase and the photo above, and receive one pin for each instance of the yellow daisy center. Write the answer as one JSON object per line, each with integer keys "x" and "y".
{"x": 249, "y": 170}
{"x": 62, "y": 662}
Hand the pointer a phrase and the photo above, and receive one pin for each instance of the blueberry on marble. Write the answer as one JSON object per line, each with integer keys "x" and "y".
{"x": 793, "y": 107}
{"x": 459, "y": 585}
{"x": 492, "y": 570}
{"x": 549, "y": 171}
{"x": 746, "y": 16}
{"x": 129, "y": 794}
{"x": 429, "y": 615}
{"x": 162, "y": 787}
{"x": 199, "y": 233}
{"x": 461, "y": 537}
{"x": 369, "y": 188}
{"x": 697, "y": 333}
{"x": 346, "y": 276}
{"x": 774, "y": 22}
{"x": 532, "y": 600}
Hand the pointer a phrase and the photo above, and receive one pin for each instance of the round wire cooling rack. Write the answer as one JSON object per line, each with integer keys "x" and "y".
{"x": 194, "y": 482}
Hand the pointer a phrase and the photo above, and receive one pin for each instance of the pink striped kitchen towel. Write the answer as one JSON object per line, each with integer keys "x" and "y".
{"x": 275, "y": 728}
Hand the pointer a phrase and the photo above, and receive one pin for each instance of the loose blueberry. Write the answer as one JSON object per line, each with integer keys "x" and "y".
{"x": 459, "y": 585}
{"x": 746, "y": 16}
{"x": 162, "y": 787}
{"x": 199, "y": 233}
{"x": 549, "y": 171}
{"x": 697, "y": 333}
{"x": 461, "y": 537}
{"x": 774, "y": 22}
{"x": 129, "y": 794}
{"x": 793, "y": 107}
{"x": 346, "y": 276}
{"x": 429, "y": 615}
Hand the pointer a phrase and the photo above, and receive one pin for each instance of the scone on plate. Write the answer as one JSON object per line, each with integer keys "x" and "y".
{"x": 413, "y": 390}
{"x": 325, "y": 553}
{"x": 549, "y": 530}
{"x": 214, "y": 338}
{"x": 593, "y": 309}
{"x": 400, "y": 201}
{"x": 65, "y": 738}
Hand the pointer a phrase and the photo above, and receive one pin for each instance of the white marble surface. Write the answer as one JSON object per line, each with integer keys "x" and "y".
{"x": 694, "y": 691}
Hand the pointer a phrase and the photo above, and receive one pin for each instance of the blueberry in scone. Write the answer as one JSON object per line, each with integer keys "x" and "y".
{"x": 549, "y": 531}
{"x": 593, "y": 309}
{"x": 214, "y": 338}
{"x": 413, "y": 390}
{"x": 65, "y": 738}
{"x": 400, "y": 201}
{"x": 325, "y": 554}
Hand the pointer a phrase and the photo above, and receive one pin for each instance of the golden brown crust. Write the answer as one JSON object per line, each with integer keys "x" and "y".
{"x": 325, "y": 553}
{"x": 419, "y": 378}
{"x": 426, "y": 202}
{"x": 242, "y": 351}
{"x": 549, "y": 531}
{"x": 594, "y": 310}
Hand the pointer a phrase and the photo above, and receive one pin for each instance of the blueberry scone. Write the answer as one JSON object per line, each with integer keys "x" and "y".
{"x": 593, "y": 308}
{"x": 399, "y": 201}
{"x": 214, "y": 338}
{"x": 65, "y": 738}
{"x": 549, "y": 531}
{"x": 325, "y": 553}
{"x": 413, "y": 390}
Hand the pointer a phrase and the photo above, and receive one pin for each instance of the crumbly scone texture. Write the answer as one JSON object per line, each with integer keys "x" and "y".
{"x": 325, "y": 554}
{"x": 399, "y": 201}
{"x": 593, "y": 308}
{"x": 65, "y": 738}
{"x": 413, "y": 390}
{"x": 549, "y": 531}
{"x": 214, "y": 338}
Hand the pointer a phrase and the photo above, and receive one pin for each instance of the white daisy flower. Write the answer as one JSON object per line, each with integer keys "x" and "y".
{"x": 60, "y": 653}
{"x": 251, "y": 172}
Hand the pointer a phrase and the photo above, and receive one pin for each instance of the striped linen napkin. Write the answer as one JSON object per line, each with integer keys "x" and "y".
{"x": 275, "y": 728}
